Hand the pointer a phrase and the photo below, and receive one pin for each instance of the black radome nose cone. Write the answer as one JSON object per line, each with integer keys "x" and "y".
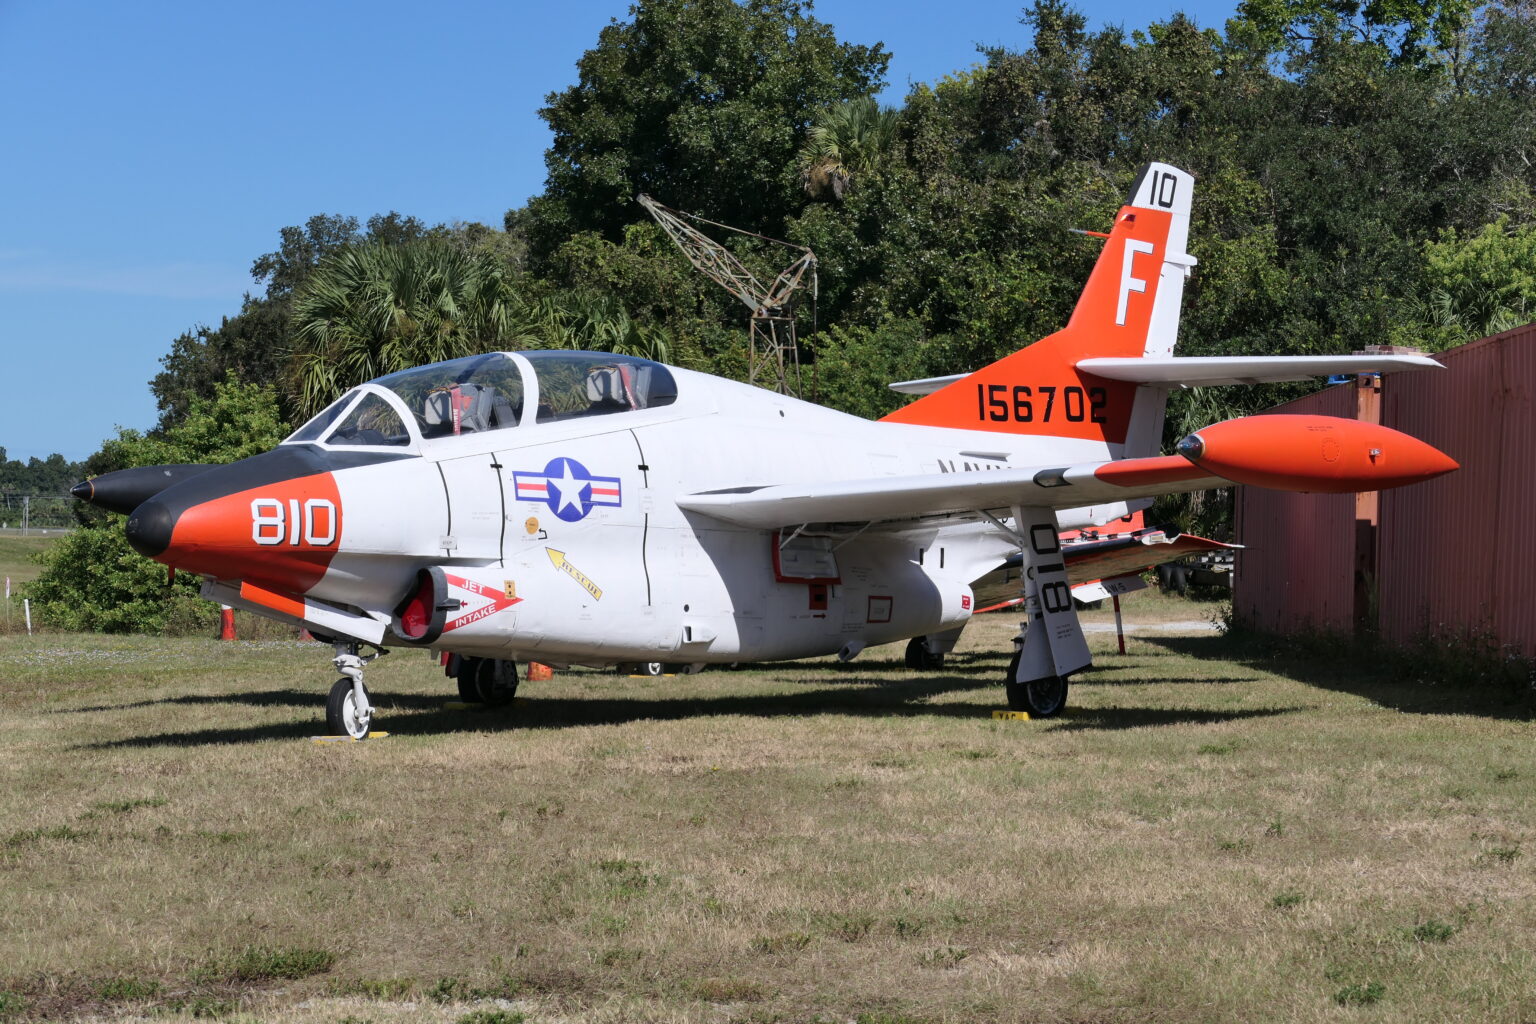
{"x": 149, "y": 528}
{"x": 127, "y": 489}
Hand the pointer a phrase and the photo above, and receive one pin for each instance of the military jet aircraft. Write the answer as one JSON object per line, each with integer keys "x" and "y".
{"x": 594, "y": 509}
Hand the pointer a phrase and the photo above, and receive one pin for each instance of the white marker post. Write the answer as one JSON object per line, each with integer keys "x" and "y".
{"x": 27, "y": 607}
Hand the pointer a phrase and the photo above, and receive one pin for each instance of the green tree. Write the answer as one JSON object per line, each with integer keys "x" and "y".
{"x": 1481, "y": 283}
{"x": 92, "y": 579}
{"x": 701, "y": 103}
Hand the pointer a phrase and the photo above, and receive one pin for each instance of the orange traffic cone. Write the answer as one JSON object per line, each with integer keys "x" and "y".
{"x": 539, "y": 671}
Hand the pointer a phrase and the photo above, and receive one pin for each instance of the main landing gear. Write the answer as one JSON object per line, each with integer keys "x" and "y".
{"x": 1042, "y": 697}
{"x": 920, "y": 657}
{"x": 348, "y": 711}
{"x": 490, "y": 681}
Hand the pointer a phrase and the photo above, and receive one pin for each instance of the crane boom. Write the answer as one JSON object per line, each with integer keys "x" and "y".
{"x": 773, "y": 347}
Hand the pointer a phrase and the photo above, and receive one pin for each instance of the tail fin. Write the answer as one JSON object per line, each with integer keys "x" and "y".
{"x": 1129, "y": 308}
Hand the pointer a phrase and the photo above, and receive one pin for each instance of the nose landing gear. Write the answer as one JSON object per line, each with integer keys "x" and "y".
{"x": 348, "y": 711}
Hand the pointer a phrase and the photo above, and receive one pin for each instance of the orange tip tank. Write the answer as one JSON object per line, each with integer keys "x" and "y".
{"x": 1323, "y": 454}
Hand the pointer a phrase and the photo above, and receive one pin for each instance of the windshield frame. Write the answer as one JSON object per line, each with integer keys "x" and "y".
{"x": 353, "y": 397}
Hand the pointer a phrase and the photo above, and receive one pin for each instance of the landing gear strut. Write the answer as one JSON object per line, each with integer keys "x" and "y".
{"x": 1050, "y": 646}
{"x": 348, "y": 712}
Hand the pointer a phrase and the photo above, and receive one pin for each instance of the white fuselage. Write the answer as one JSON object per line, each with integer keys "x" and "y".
{"x": 626, "y": 575}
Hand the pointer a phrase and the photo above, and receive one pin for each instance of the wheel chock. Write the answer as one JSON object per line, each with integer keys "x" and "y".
{"x": 346, "y": 739}
{"x": 1012, "y": 716}
{"x": 463, "y": 705}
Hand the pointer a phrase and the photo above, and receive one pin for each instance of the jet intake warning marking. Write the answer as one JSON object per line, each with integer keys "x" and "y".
{"x": 567, "y": 488}
{"x": 495, "y": 601}
{"x": 557, "y": 559}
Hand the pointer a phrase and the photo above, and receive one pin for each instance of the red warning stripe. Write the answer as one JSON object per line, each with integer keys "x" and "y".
{"x": 1161, "y": 469}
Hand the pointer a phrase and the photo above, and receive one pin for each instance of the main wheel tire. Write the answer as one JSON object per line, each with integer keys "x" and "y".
{"x": 651, "y": 668}
{"x": 341, "y": 717}
{"x": 496, "y": 681}
{"x": 1042, "y": 698}
{"x": 468, "y": 679}
{"x": 920, "y": 658}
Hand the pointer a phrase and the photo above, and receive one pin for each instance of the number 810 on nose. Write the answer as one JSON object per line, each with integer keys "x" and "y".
{"x": 312, "y": 521}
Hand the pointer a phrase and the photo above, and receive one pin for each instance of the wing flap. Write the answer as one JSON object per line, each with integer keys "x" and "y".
{"x": 1096, "y": 561}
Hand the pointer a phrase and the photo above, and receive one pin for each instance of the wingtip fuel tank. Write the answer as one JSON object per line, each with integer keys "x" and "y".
{"x": 1320, "y": 454}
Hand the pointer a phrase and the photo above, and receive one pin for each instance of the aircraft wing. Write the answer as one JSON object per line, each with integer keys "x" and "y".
{"x": 885, "y": 499}
{"x": 1295, "y": 453}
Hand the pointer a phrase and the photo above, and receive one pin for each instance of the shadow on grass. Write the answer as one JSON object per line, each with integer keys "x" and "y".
{"x": 1345, "y": 667}
{"x": 289, "y": 698}
{"x": 882, "y": 698}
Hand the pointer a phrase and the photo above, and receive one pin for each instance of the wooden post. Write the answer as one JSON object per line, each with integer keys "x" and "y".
{"x": 1367, "y": 515}
{"x": 1119, "y": 625}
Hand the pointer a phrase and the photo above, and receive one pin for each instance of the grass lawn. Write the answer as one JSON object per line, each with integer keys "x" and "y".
{"x": 16, "y": 556}
{"x": 1214, "y": 831}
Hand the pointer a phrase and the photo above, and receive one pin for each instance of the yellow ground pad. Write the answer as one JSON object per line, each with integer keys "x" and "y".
{"x": 463, "y": 705}
{"x": 1012, "y": 716}
{"x": 347, "y": 739}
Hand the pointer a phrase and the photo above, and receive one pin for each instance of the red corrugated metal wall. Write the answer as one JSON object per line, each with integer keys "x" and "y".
{"x": 1454, "y": 556}
{"x": 1296, "y": 568}
{"x": 1457, "y": 554}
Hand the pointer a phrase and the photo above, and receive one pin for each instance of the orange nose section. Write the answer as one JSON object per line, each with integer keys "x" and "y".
{"x": 283, "y": 533}
{"x": 1321, "y": 454}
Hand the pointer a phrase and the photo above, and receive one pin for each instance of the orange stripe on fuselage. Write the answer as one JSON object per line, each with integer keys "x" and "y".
{"x": 284, "y": 603}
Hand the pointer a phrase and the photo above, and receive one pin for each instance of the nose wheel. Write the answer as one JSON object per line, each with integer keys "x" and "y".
{"x": 348, "y": 711}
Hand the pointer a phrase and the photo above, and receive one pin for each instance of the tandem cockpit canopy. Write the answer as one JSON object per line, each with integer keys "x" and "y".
{"x": 496, "y": 391}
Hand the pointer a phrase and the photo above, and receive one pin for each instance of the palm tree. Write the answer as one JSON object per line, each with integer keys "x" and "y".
{"x": 849, "y": 139}
{"x": 372, "y": 309}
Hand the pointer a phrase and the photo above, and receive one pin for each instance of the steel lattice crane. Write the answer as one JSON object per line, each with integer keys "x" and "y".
{"x": 773, "y": 358}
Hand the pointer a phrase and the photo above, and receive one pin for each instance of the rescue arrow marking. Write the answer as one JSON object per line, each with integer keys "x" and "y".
{"x": 557, "y": 559}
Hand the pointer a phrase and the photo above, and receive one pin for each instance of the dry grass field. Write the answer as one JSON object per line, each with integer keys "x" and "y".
{"x": 1215, "y": 831}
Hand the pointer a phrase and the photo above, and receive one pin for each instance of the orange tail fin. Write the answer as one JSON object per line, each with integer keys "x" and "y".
{"x": 1129, "y": 307}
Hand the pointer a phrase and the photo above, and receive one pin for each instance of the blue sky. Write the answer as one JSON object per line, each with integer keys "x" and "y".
{"x": 154, "y": 149}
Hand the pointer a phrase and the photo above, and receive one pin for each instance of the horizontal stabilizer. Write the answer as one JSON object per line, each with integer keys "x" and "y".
{"x": 925, "y": 386}
{"x": 1202, "y": 370}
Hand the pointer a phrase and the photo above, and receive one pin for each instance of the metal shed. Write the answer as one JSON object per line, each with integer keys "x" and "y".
{"x": 1451, "y": 557}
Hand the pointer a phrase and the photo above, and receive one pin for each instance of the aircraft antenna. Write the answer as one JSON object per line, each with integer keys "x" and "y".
{"x": 773, "y": 354}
